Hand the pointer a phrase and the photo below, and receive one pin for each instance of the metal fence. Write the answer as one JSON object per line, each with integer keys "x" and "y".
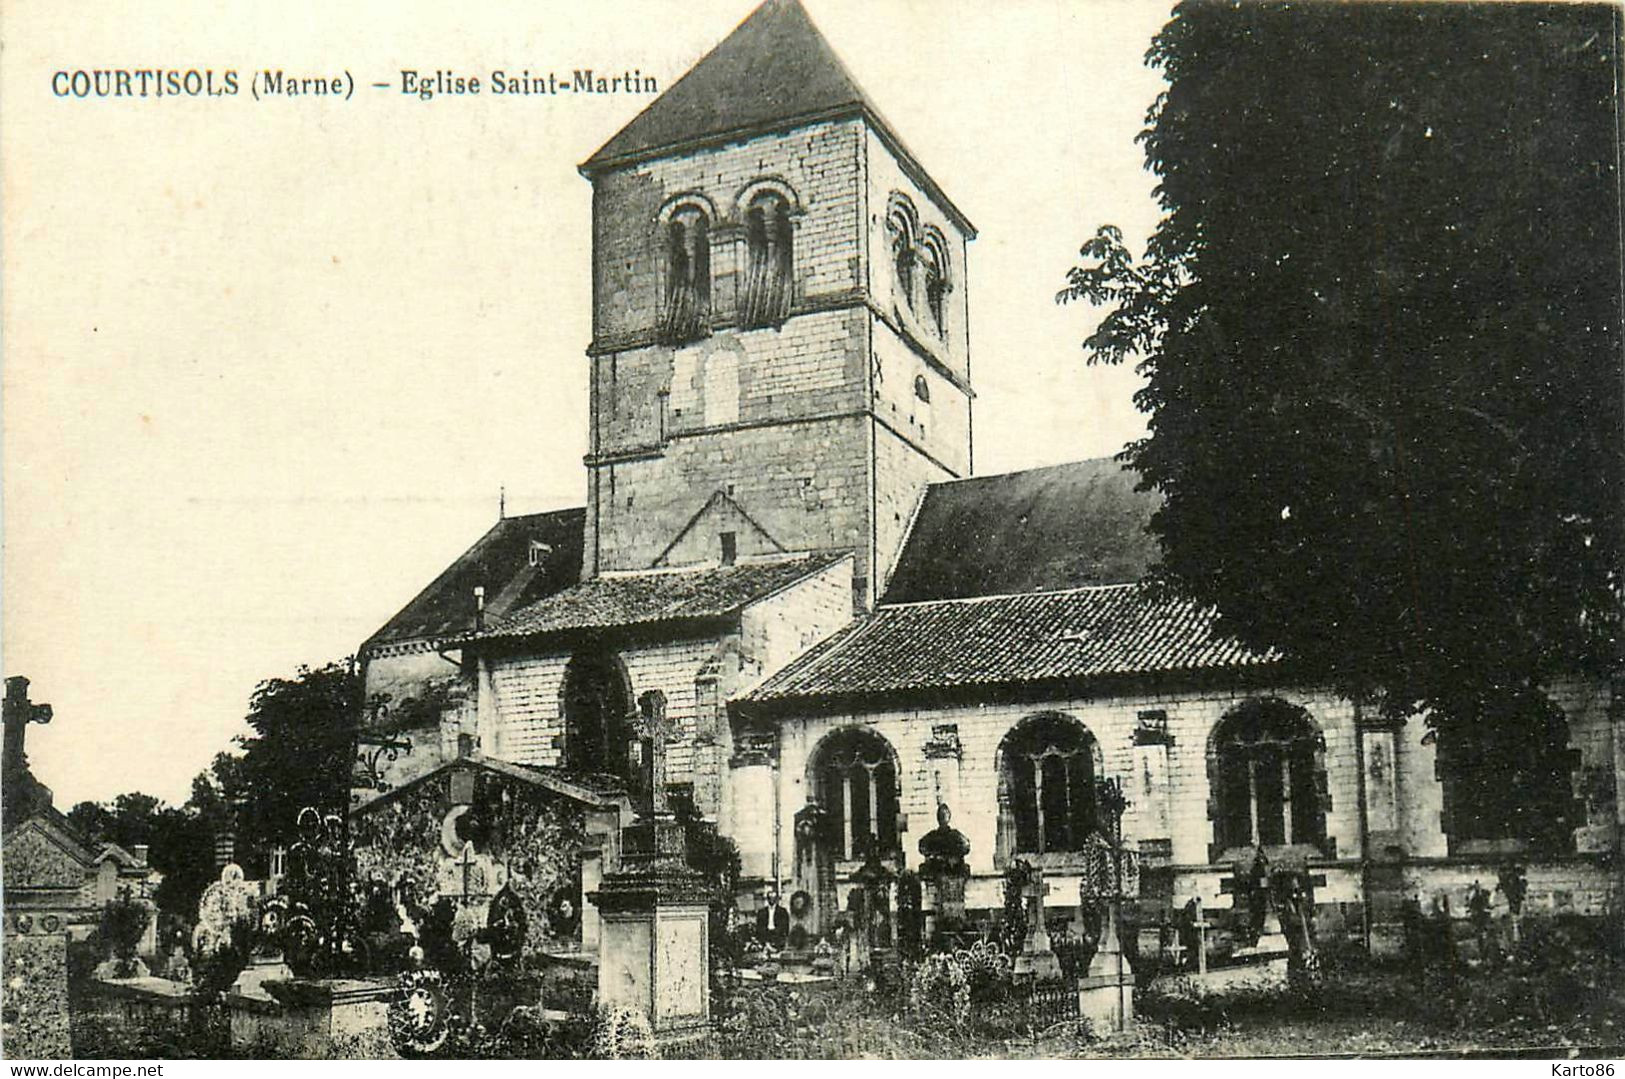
{"x": 1027, "y": 1007}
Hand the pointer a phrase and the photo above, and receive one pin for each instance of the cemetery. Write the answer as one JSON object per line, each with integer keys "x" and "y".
{"x": 804, "y": 739}
{"x": 486, "y": 912}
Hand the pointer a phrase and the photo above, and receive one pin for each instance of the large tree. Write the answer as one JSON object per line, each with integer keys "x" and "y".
{"x": 300, "y": 754}
{"x": 1380, "y": 325}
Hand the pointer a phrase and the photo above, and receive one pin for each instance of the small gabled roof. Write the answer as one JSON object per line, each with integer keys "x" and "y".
{"x": 775, "y": 72}
{"x": 667, "y": 598}
{"x": 117, "y": 853}
{"x": 500, "y": 563}
{"x": 599, "y": 791}
{"x": 1064, "y": 526}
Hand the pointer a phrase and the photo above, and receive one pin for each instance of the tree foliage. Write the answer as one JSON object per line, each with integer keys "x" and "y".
{"x": 300, "y": 754}
{"x": 1380, "y": 325}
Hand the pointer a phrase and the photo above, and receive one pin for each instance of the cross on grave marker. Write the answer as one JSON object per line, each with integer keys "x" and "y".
{"x": 467, "y": 863}
{"x": 1037, "y": 889}
{"x": 653, "y": 731}
{"x": 18, "y": 713}
{"x": 1176, "y": 951}
{"x": 1201, "y": 938}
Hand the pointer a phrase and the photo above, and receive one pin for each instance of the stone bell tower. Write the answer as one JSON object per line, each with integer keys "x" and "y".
{"x": 779, "y": 358}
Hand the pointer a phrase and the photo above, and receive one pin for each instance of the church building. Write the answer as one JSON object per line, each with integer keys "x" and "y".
{"x": 787, "y": 564}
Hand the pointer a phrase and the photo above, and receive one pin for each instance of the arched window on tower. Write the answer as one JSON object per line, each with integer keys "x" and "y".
{"x": 1265, "y": 772}
{"x": 934, "y": 259}
{"x": 902, "y": 230}
{"x": 769, "y": 260}
{"x": 1048, "y": 764}
{"x": 855, "y": 776}
{"x": 687, "y": 312}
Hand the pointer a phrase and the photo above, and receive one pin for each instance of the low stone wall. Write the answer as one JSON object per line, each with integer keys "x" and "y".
{"x": 145, "y": 1018}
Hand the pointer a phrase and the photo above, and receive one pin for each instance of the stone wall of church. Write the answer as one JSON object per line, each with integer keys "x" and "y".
{"x": 804, "y": 484}
{"x": 971, "y": 783}
{"x": 1171, "y": 796}
{"x": 524, "y": 699}
{"x": 1579, "y": 882}
{"x": 901, "y": 476}
{"x": 885, "y": 175}
{"x": 781, "y": 627}
{"x": 521, "y": 701}
{"x": 820, "y": 164}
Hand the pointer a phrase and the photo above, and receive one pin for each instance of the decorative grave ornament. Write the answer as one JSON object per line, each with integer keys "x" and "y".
{"x": 324, "y": 936}
{"x": 420, "y": 1019}
{"x": 506, "y": 925}
{"x": 225, "y": 909}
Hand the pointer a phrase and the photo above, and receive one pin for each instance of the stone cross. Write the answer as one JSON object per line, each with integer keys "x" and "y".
{"x": 19, "y": 712}
{"x": 653, "y": 731}
{"x": 1201, "y": 938}
{"x": 468, "y": 862}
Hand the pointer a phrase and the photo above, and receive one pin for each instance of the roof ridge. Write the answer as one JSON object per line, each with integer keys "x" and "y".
{"x": 1024, "y": 471}
{"x": 1012, "y": 595}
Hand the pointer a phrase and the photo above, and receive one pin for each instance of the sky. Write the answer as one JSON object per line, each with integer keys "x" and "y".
{"x": 267, "y": 364}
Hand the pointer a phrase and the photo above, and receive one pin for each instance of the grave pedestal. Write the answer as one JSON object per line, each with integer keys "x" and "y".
{"x": 654, "y": 947}
{"x": 310, "y": 1017}
{"x": 1107, "y": 1001}
{"x": 261, "y": 969}
{"x": 1106, "y": 990}
{"x": 1271, "y": 940}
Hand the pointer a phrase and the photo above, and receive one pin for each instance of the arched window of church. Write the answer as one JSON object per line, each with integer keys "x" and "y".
{"x": 769, "y": 260}
{"x": 1048, "y": 765}
{"x": 902, "y": 232}
{"x": 1508, "y": 778}
{"x": 597, "y": 703}
{"x": 1265, "y": 773}
{"x": 934, "y": 258}
{"x": 922, "y": 389}
{"x": 855, "y": 777}
{"x": 687, "y": 312}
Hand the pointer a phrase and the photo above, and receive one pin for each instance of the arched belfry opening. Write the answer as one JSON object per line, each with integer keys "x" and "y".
{"x": 599, "y": 715}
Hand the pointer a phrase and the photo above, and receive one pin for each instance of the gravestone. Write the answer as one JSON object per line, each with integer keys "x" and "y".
{"x": 1106, "y": 990}
{"x": 944, "y": 869}
{"x": 654, "y": 950}
{"x": 1036, "y": 959}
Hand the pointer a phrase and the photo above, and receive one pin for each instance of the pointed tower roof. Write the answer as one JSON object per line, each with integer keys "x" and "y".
{"x": 775, "y": 72}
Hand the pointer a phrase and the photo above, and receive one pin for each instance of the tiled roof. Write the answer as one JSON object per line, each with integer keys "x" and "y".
{"x": 659, "y": 597}
{"x": 1044, "y": 637}
{"x": 1065, "y": 526}
{"x": 499, "y": 562}
{"x": 775, "y": 72}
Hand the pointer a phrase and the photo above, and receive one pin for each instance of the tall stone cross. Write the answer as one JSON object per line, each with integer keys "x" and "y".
{"x": 653, "y": 731}
{"x": 18, "y": 788}
{"x": 19, "y": 712}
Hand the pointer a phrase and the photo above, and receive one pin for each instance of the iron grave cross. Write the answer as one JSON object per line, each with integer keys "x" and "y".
{"x": 653, "y": 730}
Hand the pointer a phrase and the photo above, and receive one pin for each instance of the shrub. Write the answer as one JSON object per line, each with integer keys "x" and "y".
{"x": 124, "y": 920}
{"x": 941, "y": 990}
